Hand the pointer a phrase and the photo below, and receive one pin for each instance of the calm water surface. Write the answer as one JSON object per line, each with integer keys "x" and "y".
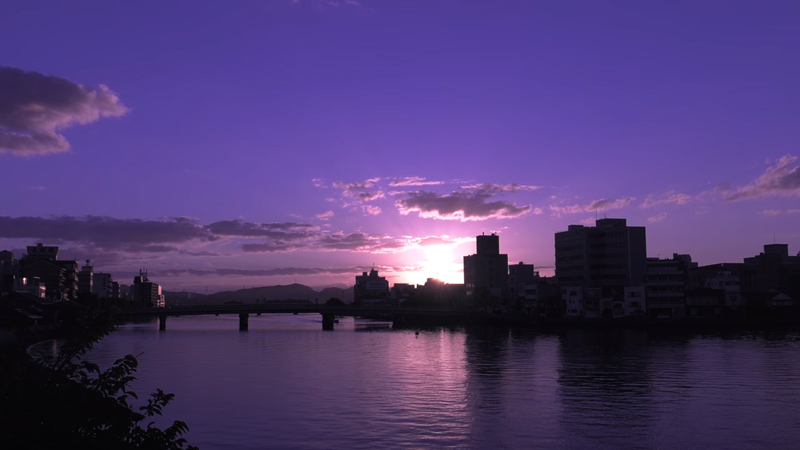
{"x": 287, "y": 384}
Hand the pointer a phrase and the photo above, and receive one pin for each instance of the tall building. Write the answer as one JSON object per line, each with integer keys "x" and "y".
{"x": 488, "y": 268}
{"x": 104, "y": 286}
{"x": 86, "y": 278}
{"x": 609, "y": 254}
{"x": 145, "y": 293}
{"x": 370, "y": 288}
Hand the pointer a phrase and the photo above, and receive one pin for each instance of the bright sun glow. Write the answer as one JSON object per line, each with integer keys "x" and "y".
{"x": 442, "y": 263}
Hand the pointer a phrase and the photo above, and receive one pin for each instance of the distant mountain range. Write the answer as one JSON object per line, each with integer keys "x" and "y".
{"x": 250, "y": 295}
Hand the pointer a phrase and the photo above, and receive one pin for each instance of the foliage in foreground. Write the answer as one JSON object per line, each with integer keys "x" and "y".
{"x": 70, "y": 403}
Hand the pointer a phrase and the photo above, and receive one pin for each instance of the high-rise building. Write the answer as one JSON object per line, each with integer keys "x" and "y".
{"x": 86, "y": 278}
{"x": 609, "y": 254}
{"x": 145, "y": 293}
{"x": 487, "y": 269}
{"x": 370, "y": 288}
{"x": 104, "y": 286}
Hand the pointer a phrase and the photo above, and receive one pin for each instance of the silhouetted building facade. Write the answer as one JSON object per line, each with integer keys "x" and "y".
{"x": 520, "y": 275}
{"x": 370, "y": 288}
{"x": 9, "y": 271}
{"x": 667, "y": 282}
{"x": 487, "y": 269}
{"x": 86, "y": 278}
{"x": 104, "y": 286}
{"x": 145, "y": 293}
{"x": 773, "y": 269}
{"x": 60, "y": 277}
{"x": 609, "y": 254}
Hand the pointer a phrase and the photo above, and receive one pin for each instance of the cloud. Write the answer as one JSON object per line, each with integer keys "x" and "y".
{"x": 124, "y": 239}
{"x": 356, "y": 186}
{"x": 793, "y": 211}
{"x": 463, "y": 206}
{"x": 657, "y": 218}
{"x": 670, "y": 197}
{"x": 35, "y": 107}
{"x": 413, "y": 181}
{"x": 359, "y": 194}
{"x": 439, "y": 240}
{"x": 325, "y": 216}
{"x": 367, "y": 196}
{"x": 106, "y": 232}
{"x": 360, "y": 242}
{"x": 537, "y": 211}
{"x": 783, "y": 179}
{"x": 371, "y": 210}
{"x": 339, "y": 241}
{"x": 597, "y": 205}
{"x": 317, "y": 182}
{"x": 284, "y": 230}
{"x": 496, "y": 188}
{"x": 771, "y": 212}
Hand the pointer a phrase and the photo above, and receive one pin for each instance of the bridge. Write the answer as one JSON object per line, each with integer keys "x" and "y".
{"x": 328, "y": 313}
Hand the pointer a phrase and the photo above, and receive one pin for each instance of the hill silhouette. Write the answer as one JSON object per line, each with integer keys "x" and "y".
{"x": 294, "y": 291}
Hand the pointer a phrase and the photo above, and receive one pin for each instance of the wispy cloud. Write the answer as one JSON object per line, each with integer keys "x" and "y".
{"x": 495, "y": 188}
{"x": 325, "y": 216}
{"x": 657, "y": 218}
{"x": 771, "y": 212}
{"x": 438, "y": 240}
{"x": 414, "y": 181}
{"x": 782, "y": 178}
{"x": 605, "y": 204}
{"x": 357, "y": 186}
{"x": 371, "y": 210}
{"x": 34, "y": 107}
{"x": 366, "y": 196}
{"x": 669, "y": 197}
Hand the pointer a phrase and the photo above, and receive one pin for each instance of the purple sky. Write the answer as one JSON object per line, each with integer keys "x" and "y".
{"x": 230, "y": 144}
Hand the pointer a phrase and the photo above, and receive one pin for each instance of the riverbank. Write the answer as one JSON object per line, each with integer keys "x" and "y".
{"x": 689, "y": 323}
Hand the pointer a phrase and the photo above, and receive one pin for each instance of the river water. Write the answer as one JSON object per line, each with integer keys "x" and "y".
{"x": 285, "y": 383}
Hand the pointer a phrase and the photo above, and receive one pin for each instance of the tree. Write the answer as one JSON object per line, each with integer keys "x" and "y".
{"x": 70, "y": 403}
{"x": 333, "y": 301}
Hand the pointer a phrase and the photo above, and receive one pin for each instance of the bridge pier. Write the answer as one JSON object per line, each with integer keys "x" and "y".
{"x": 243, "y": 317}
{"x": 328, "y": 320}
{"x": 162, "y": 322}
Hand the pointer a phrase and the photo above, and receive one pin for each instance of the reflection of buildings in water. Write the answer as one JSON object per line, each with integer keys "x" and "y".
{"x": 606, "y": 388}
{"x": 510, "y": 384}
